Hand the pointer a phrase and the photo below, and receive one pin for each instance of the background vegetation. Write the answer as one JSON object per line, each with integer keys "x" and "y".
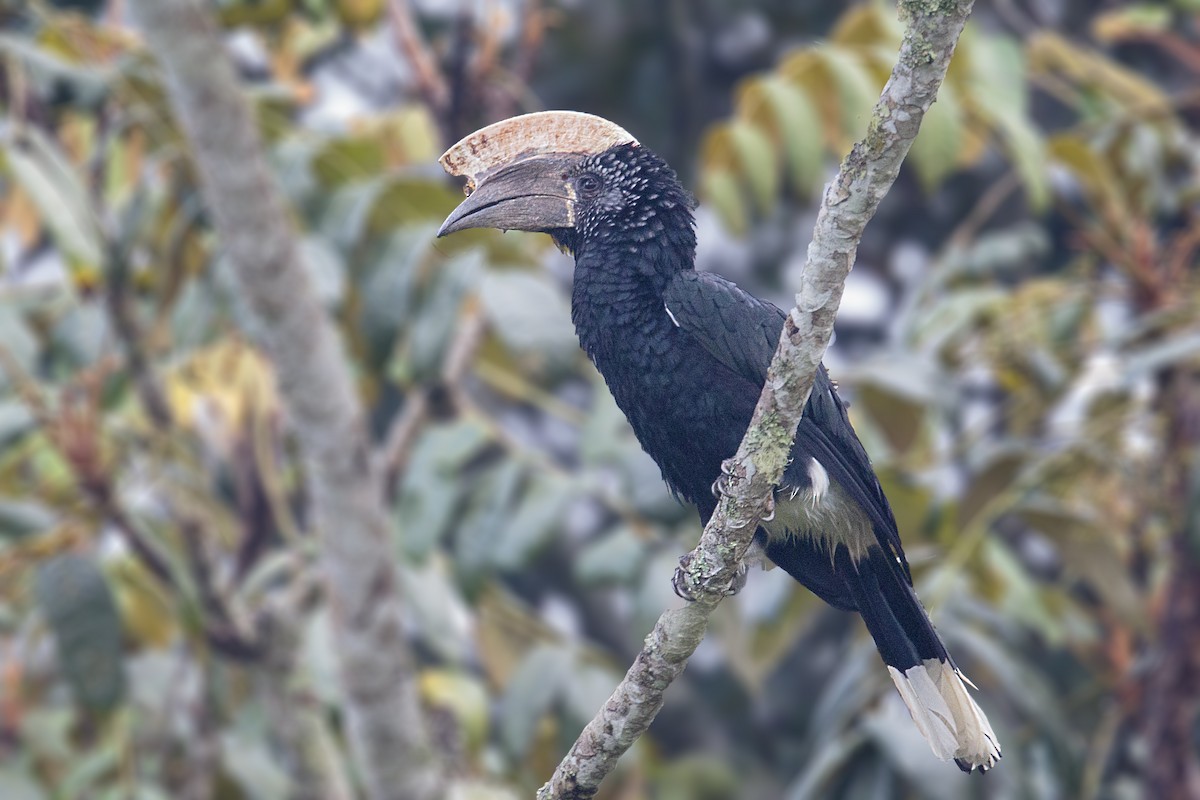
{"x": 1018, "y": 341}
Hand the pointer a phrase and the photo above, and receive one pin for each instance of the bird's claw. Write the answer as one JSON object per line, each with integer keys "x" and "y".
{"x": 770, "y": 515}
{"x": 738, "y": 581}
{"x": 720, "y": 486}
{"x": 679, "y": 582}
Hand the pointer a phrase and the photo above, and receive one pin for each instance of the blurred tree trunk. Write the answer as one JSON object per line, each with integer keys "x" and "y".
{"x": 382, "y": 710}
{"x": 1171, "y": 686}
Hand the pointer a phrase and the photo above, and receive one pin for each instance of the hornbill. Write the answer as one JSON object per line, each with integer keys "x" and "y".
{"x": 685, "y": 355}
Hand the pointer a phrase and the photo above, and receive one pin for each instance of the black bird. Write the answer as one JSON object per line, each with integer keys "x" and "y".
{"x": 685, "y": 354}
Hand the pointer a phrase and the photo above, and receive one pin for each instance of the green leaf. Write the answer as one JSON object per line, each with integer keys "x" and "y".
{"x": 1027, "y": 150}
{"x": 896, "y": 391}
{"x": 438, "y": 315}
{"x": 1093, "y": 170}
{"x": 343, "y": 161}
{"x": 1000, "y": 468}
{"x": 533, "y": 522}
{"x": 76, "y": 600}
{"x": 537, "y": 683}
{"x": 935, "y": 152}
{"x": 443, "y": 619}
{"x": 493, "y": 497}
{"x": 998, "y": 92}
{"x": 616, "y": 558}
{"x": 326, "y": 269}
{"x": 798, "y": 128}
{"x": 857, "y": 88}
{"x": 83, "y": 334}
{"x": 18, "y": 339}
{"x": 1090, "y": 553}
{"x": 530, "y": 315}
{"x": 998, "y": 75}
{"x": 22, "y": 518}
{"x": 346, "y": 212}
{"x": 590, "y": 687}
{"x": 88, "y": 770}
{"x": 407, "y": 201}
{"x": 42, "y": 170}
{"x": 756, "y": 157}
{"x": 84, "y": 85}
{"x": 431, "y": 492}
{"x": 244, "y": 755}
{"x": 15, "y": 421}
{"x": 390, "y": 289}
{"x": 721, "y": 188}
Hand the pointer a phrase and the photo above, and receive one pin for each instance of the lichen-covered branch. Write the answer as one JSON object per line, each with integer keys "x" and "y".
{"x": 382, "y": 710}
{"x": 932, "y": 28}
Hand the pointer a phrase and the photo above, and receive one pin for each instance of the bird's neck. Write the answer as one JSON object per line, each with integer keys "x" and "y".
{"x": 619, "y": 281}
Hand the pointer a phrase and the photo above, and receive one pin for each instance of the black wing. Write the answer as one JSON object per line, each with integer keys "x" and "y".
{"x": 742, "y": 332}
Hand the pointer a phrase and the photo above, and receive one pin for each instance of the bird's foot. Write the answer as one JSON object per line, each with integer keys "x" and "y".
{"x": 721, "y": 484}
{"x": 738, "y": 581}
{"x": 679, "y": 582}
{"x": 770, "y": 515}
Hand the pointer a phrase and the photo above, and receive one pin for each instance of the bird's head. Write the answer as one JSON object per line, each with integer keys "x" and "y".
{"x": 575, "y": 176}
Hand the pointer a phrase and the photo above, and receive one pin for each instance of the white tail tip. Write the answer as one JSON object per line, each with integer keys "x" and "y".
{"x": 946, "y": 715}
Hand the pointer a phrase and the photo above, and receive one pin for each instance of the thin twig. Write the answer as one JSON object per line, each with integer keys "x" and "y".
{"x": 932, "y": 31}
{"x": 430, "y": 81}
{"x": 121, "y": 314}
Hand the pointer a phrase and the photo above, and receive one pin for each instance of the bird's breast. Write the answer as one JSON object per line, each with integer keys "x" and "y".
{"x": 687, "y": 409}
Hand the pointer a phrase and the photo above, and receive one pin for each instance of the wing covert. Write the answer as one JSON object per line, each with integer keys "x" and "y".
{"x": 742, "y": 332}
{"x": 736, "y": 328}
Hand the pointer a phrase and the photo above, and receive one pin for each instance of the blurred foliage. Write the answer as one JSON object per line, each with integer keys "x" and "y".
{"x": 162, "y": 628}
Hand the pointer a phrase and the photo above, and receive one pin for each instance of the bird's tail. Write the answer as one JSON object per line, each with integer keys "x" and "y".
{"x": 931, "y": 686}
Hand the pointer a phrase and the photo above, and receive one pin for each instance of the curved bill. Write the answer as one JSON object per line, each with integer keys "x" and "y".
{"x": 517, "y": 170}
{"x": 529, "y": 195}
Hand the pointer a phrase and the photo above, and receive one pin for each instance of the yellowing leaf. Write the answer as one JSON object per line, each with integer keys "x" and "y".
{"x": 147, "y": 612}
{"x": 1093, "y": 172}
{"x": 857, "y": 89}
{"x": 1052, "y": 54}
{"x": 869, "y": 24}
{"x": 1131, "y": 22}
{"x": 720, "y": 188}
{"x": 1027, "y": 150}
{"x": 355, "y": 158}
{"x": 756, "y": 157}
{"x": 796, "y": 124}
{"x": 221, "y": 390}
{"x": 463, "y": 697}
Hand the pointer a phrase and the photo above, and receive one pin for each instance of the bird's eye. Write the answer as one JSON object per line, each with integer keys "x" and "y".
{"x": 587, "y": 184}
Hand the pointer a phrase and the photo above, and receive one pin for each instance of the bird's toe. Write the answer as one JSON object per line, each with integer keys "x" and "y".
{"x": 679, "y": 582}
{"x": 738, "y": 581}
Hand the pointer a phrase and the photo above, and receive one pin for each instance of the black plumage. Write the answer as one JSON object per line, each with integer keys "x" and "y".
{"x": 685, "y": 355}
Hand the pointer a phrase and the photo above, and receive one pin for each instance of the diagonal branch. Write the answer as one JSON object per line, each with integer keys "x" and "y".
{"x": 932, "y": 28}
{"x": 381, "y": 703}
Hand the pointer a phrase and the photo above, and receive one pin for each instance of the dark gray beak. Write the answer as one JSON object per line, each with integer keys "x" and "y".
{"x": 532, "y": 194}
